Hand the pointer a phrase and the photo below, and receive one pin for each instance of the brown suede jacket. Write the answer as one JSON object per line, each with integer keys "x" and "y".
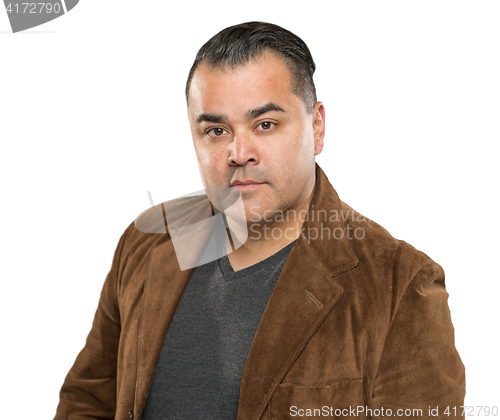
{"x": 357, "y": 324}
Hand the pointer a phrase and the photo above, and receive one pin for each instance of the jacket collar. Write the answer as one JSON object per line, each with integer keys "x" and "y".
{"x": 325, "y": 232}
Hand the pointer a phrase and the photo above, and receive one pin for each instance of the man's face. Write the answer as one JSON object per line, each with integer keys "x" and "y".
{"x": 250, "y": 131}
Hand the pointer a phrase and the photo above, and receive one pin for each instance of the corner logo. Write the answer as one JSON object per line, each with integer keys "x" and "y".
{"x": 25, "y": 15}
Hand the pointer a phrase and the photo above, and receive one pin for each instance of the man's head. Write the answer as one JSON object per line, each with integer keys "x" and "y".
{"x": 240, "y": 44}
{"x": 254, "y": 117}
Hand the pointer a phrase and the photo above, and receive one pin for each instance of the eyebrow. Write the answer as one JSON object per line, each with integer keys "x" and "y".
{"x": 257, "y": 112}
{"x": 250, "y": 114}
{"x": 215, "y": 118}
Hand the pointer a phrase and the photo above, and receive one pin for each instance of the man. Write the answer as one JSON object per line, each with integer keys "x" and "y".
{"x": 314, "y": 311}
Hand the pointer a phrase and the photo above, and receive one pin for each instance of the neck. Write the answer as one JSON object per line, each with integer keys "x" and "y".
{"x": 265, "y": 239}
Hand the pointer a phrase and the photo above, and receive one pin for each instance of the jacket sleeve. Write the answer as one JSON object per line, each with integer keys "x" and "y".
{"x": 89, "y": 389}
{"x": 420, "y": 369}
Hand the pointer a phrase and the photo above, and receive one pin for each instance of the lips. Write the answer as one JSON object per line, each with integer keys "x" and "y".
{"x": 245, "y": 182}
{"x": 246, "y": 185}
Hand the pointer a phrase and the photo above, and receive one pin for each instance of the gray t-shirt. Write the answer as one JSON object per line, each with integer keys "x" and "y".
{"x": 199, "y": 370}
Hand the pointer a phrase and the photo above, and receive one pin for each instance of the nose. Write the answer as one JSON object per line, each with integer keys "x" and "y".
{"x": 242, "y": 151}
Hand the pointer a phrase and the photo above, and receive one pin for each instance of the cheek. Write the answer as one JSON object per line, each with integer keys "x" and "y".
{"x": 211, "y": 163}
{"x": 295, "y": 148}
{"x": 295, "y": 159}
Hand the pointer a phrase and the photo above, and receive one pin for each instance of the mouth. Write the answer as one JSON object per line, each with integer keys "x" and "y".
{"x": 247, "y": 185}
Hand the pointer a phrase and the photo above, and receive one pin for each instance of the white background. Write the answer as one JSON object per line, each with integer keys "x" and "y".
{"x": 92, "y": 116}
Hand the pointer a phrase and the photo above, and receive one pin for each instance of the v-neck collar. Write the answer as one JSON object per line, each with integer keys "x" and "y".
{"x": 230, "y": 275}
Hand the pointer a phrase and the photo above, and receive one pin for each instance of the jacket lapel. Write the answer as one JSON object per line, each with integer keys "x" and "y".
{"x": 165, "y": 281}
{"x": 301, "y": 299}
{"x": 303, "y": 296}
{"x": 163, "y": 289}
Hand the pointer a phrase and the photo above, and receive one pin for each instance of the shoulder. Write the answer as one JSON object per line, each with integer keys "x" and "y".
{"x": 380, "y": 252}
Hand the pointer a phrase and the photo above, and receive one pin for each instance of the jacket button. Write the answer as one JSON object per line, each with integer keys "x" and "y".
{"x": 131, "y": 415}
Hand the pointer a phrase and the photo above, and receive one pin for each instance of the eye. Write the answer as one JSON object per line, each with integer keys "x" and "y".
{"x": 216, "y": 132}
{"x": 266, "y": 125}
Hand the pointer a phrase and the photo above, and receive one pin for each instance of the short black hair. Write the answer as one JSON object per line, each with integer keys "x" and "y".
{"x": 240, "y": 44}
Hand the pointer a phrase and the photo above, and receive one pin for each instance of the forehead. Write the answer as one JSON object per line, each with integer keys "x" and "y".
{"x": 266, "y": 79}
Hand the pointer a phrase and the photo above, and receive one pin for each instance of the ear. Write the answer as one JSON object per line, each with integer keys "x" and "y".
{"x": 318, "y": 127}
